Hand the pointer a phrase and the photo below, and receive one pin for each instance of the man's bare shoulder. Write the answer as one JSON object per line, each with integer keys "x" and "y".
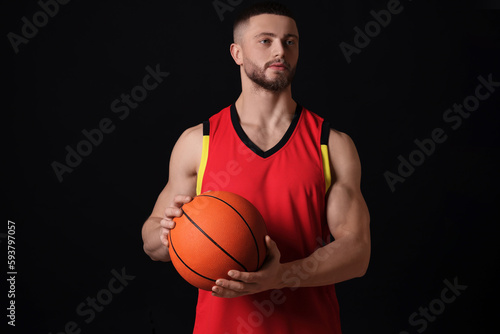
{"x": 344, "y": 157}
{"x": 190, "y": 140}
{"x": 186, "y": 153}
{"x": 340, "y": 141}
{"x": 192, "y": 135}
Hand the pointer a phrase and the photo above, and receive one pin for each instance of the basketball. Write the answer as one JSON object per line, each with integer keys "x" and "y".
{"x": 218, "y": 231}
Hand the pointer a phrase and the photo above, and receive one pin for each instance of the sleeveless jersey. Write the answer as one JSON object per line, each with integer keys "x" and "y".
{"x": 288, "y": 185}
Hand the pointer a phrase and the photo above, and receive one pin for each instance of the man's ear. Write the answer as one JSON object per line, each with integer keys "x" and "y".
{"x": 236, "y": 53}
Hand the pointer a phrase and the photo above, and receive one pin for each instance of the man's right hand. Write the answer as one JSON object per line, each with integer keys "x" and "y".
{"x": 174, "y": 210}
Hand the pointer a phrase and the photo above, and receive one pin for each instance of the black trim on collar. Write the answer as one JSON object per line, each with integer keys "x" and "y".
{"x": 257, "y": 150}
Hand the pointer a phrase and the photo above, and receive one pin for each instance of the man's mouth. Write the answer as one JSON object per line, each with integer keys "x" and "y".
{"x": 278, "y": 66}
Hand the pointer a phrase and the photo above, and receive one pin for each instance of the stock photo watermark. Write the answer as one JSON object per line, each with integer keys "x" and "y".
{"x": 11, "y": 273}
{"x": 363, "y": 37}
{"x": 453, "y": 117}
{"x": 223, "y": 6}
{"x": 30, "y": 27}
{"x": 94, "y": 137}
{"x": 89, "y": 308}
{"x": 421, "y": 318}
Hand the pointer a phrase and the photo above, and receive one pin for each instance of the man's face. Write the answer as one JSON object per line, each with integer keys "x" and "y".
{"x": 270, "y": 51}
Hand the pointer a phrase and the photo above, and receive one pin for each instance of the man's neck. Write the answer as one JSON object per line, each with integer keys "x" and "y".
{"x": 265, "y": 116}
{"x": 265, "y": 109}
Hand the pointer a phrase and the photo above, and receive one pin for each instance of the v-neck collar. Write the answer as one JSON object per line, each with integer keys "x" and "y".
{"x": 251, "y": 145}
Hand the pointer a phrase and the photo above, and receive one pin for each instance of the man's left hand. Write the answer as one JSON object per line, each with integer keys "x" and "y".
{"x": 245, "y": 283}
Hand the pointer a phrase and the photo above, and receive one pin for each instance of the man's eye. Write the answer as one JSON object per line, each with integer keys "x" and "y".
{"x": 290, "y": 43}
{"x": 264, "y": 41}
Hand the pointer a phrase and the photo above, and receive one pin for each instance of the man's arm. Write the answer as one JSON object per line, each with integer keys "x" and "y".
{"x": 348, "y": 219}
{"x": 183, "y": 169}
{"x": 349, "y": 222}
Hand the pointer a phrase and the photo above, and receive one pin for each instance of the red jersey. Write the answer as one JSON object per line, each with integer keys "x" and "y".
{"x": 287, "y": 184}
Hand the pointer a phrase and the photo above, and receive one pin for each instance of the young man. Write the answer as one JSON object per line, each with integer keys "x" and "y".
{"x": 302, "y": 176}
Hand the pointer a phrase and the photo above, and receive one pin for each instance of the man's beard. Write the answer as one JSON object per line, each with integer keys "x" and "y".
{"x": 258, "y": 76}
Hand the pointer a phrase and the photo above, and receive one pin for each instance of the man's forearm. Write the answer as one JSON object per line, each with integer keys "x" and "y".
{"x": 338, "y": 261}
{"x": 152, "y": 243}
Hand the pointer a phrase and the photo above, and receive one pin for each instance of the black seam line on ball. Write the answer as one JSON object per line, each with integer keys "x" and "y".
{"x": 239, "y": 214}
{"x": 214, "y": 242}
{"x": 184, "y": 263}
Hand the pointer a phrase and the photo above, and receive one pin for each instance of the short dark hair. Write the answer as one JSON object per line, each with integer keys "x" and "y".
{"x": 268, "y": 7}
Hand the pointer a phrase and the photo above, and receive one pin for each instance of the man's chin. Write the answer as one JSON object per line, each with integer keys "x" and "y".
{"x": 272, "y": 80}
{"x": 275, "y": 87}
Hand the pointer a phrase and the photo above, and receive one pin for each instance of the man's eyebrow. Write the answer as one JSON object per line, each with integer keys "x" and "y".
{"x": 270, "y": 34}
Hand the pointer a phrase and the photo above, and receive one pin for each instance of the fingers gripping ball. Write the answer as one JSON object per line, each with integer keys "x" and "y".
{"x": 218, "y": 231}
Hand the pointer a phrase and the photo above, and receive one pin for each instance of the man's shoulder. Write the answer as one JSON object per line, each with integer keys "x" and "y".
{"x": 315, "y": 118}
{"x": 191, "y": 135}
{"x": 186, "y": 153}
{"x": 334, "y": 135}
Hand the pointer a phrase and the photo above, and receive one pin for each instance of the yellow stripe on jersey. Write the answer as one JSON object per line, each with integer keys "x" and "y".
{"x": 203, "y": 164}
{"x": 326, "y": 166}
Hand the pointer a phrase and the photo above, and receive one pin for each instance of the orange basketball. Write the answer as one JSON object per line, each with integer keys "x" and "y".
{"x": 218, "y": 231}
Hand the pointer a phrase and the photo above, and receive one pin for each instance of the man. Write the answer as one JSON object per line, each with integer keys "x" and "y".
{"x": 302, "y": 176}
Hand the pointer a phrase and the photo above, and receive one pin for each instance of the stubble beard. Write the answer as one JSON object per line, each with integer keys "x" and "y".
{"x": 258, "y": 76}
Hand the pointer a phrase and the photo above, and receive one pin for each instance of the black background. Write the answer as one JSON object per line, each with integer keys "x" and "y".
{"x": 440, "y": 224}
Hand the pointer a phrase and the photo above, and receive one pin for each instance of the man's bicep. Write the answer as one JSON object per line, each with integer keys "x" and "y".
{"x": 184, "y": 161}
{"x": 347, "y": 212}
